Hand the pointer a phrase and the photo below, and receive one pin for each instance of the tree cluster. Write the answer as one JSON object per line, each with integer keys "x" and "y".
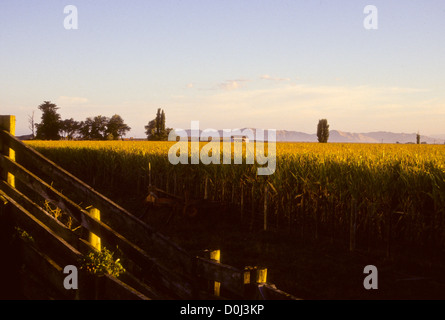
{"x": 103, "y": 128}
{"x": 155, "y": 129}
{"x": 52, "y": 127}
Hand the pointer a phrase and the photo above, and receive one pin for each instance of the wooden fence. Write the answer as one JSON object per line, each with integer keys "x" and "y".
{"x": 38, "y": 243}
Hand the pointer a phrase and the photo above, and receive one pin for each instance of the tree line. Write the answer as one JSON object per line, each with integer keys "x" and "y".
{"x": 52, "y": 127}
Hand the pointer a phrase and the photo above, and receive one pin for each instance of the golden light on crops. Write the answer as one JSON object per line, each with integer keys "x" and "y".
{"x": 314, "y": 185}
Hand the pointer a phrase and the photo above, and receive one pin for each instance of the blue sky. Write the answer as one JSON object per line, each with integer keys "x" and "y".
{"x": 229, "y": 64}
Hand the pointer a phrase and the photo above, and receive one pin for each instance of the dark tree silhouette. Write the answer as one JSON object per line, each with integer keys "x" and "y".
{"x": 323, "y": 131}
{"x": 69, "y": 128}
{"x": 116, "y": 128}
{"x": 94, "y": 128}
{"x": 155, "y": 129}
{"x": 49, "y": 128}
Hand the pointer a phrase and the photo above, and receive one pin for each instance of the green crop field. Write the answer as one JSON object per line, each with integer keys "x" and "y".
{"x": 386, "y": 199}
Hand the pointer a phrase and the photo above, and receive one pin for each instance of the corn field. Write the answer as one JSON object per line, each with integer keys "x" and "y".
{"x": 363, "y": 195}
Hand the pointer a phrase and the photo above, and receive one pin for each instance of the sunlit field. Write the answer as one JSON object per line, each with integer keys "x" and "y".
{"x": 375, "y": 198}
{"x": 401, "y": 185}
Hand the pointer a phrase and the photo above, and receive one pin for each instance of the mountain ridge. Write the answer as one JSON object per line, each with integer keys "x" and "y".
{"x": 360, "y": 137}
{"x": 344, "y": 136}
{"x": 336, "y": 136}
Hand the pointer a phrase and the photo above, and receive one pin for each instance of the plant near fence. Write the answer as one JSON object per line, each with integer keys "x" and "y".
{"x": 102, "y": 262}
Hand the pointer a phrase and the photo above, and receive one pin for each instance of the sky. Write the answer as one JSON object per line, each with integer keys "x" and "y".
{"x": 271, "y": 64}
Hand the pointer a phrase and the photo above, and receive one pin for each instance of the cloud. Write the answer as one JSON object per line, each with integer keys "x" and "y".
{"x": 268, "y": 77}
{"x": 298, "y": 107}
{"x": 229, "y": 85}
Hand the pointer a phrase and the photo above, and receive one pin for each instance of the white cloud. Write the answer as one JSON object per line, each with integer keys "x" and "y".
{"x": 229, "y": 85}
{"x": 298, "y": 107}
{"x": 268, "y": 77}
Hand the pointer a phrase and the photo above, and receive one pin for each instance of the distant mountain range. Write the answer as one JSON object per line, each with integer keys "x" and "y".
{"x": 341, "y": 136}
{"x": 369, "y": 137}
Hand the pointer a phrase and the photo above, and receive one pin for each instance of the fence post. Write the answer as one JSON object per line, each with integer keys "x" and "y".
{"x": 261, "y": 275}
{"x": 253, "y": 276}
{"x": 248, "y": 276}
{"x": 93, "y": 238}
{"x": 7, "y": 123}
{"x": 214, "y": 255}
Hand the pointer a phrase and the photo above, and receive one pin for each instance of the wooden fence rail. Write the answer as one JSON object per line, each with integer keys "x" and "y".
{"x": 157, "y": 267}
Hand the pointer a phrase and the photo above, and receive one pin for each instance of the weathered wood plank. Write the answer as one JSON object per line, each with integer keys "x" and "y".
{"x": 115, "y": 216}
{"x": 270, "y": 292}
{"x": 231, "y": 278}
{"x": 42, "y": 188}
{"x": 136, "y": 276}
{"x": 56, "y": 247}
{"x": 54, "y": 224}
{"x": 102, "y": 230}
{"x": 206, "y": 268}
{"x": 46, "y": 268}
{"x": 179, "y": 285}
{"x": 48, "y": 272}
{"x": 114, "y": 289}
{"x": 140, "y": 286}
{"x": 135, "y": 253}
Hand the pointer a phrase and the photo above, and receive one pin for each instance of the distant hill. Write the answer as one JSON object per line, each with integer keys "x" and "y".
{"x": 25, "y": 137}
{"x": 438, "y": 136}
{"x": 368, "y": 137}
{"x": 342, "y": 136}
{"x": 338, "y": 136}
